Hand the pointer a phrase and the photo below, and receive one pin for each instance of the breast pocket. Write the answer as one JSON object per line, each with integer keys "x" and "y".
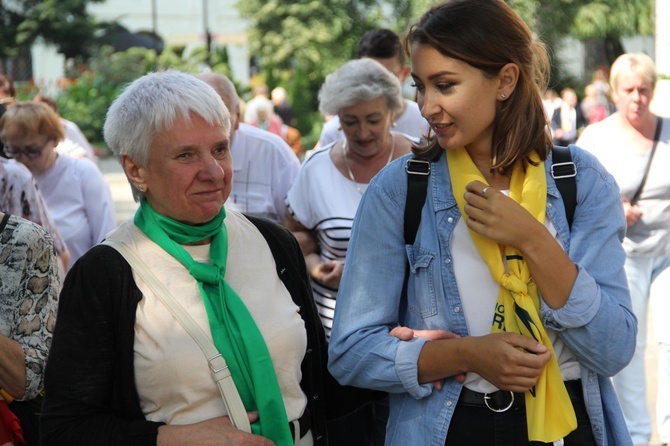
{"x": 421, "y": 298}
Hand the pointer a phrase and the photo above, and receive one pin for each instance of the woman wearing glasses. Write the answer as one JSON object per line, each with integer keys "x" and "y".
{"x": 76, "y": 193}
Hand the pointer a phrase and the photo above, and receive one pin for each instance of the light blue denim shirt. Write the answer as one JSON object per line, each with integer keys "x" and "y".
{"x": 597, "y": 323}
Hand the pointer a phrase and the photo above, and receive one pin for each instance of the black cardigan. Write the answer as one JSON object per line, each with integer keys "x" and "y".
{"x": 90, "y": 394}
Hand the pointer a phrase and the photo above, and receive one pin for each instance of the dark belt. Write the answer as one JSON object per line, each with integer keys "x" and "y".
{"x": 504, "y": 400}
{"x": 303, "y": 421}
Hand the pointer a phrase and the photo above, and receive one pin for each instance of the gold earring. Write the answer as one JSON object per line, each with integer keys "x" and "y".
{"x": 503, "y": 95}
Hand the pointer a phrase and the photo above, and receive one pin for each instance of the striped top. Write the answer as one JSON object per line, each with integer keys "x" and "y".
{"x": 325, "y": 201}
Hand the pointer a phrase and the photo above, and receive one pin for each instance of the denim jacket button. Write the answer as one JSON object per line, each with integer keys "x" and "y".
{"x": 447, "y": 261}
{"x": 457, "y": 309}
{"x": 450, "y": 219}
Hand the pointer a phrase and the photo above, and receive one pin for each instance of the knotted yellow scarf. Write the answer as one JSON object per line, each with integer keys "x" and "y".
{"x": 549, "y": 412}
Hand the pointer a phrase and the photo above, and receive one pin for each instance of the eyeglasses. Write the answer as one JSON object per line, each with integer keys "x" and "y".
{"x": 31, "y": 152}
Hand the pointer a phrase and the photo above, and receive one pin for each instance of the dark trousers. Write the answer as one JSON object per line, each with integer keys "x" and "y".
{"x": 477, "y": 425}
{"x": 364, "y": 427}
{"x": 28, "y": 413}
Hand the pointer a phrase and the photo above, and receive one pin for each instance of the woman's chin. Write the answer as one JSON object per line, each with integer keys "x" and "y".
{"x": 201, "y": 215}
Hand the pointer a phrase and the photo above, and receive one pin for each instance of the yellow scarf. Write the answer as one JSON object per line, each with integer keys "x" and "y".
{"x": 549, "y": 412}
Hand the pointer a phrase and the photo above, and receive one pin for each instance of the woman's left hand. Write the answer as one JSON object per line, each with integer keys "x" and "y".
{"x": 496, "y": 216}
{"x": 330, "y": 273}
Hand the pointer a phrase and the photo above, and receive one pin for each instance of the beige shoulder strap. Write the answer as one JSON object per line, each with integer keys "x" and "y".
{"x": 217, "y": 364}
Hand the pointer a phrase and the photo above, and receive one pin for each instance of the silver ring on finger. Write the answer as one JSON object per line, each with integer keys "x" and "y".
{"x": 485, "y": 190}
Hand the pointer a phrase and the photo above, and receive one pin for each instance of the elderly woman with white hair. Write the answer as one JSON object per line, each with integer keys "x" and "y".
{"x": 190, "y": 324}
{"x": 324, "y": 197}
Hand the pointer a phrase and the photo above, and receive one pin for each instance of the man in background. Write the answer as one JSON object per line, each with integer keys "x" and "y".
{"x": 264, "y": 166}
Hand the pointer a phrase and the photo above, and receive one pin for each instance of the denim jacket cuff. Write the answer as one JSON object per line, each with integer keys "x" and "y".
{"x": 406, "y": 365}
{"x": 581, "y": 307}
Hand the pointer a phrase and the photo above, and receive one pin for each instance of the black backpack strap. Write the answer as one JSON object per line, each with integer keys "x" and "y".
{"x": 418, "y": 172}
{"x": 564, "y": 171}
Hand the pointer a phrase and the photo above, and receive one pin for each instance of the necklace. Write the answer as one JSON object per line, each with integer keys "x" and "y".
{"x": 351, "y": 173}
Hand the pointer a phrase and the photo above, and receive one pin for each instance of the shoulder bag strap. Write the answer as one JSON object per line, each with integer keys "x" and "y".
{"x": 657, "y": 136}
{"x": 564, "y": 171}
{"x": 217, "y": 364}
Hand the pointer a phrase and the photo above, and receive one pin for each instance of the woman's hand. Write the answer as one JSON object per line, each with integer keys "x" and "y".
{"x": 509, "y": 361}
{"x": 329, "y": 273}
{"x": 496, "y": 216}
{"x": 215, "y": 432}
{"x": 12, "y": 367}
{"x": 632, "y": 212}
{"x": 406, "y": 333}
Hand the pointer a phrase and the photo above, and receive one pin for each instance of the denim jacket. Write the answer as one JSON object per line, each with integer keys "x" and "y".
{"x": 597, "y": 322}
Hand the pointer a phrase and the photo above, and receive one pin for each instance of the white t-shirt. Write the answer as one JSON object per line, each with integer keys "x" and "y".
{"x": 172, "y": 374}
{"x": 264, "y": 168}
{"x": 410, "y": 122}
{"x": 79, "y": 202}
{"x": 650, "y": 236}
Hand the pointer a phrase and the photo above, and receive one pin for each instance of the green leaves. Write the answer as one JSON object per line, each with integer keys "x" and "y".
{"x": 64, "y": 23}
{"x": 86, "y": 99}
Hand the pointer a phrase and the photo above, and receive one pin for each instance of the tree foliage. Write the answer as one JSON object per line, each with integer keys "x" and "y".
{"x": 311, "y": 38}
{"x": 614, "y": 18}
{"x": 64, "y": 23}
{"x": 311, "y": 33}
{"x": 90, "y": 93}
{"x": 301, "y": 41}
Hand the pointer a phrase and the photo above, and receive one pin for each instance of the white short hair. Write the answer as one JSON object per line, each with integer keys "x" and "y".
{"x": 151, "y": 104}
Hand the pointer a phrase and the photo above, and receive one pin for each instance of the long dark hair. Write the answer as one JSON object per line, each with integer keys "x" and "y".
{"x": 488, "y": 34}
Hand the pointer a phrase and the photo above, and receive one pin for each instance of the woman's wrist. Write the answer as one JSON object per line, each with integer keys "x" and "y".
{"x": 313, "y": 262}
{"x": 171, "y": 435}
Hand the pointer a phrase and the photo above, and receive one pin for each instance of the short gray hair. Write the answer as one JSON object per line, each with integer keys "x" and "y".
{"x": 151, "y": 104}
{"x": 357, "y": 81}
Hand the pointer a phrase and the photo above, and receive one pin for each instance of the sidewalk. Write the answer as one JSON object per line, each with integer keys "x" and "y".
{"x": 124, "y": 206}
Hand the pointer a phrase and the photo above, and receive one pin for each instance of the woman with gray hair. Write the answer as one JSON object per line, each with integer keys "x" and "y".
{"x": 126, "y": 365}
{"x": 324, "y": 197}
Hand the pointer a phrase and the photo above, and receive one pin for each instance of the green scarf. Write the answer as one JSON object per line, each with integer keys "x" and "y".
{"x": 549, "y": 412}
{"x": 235, "y": 334}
